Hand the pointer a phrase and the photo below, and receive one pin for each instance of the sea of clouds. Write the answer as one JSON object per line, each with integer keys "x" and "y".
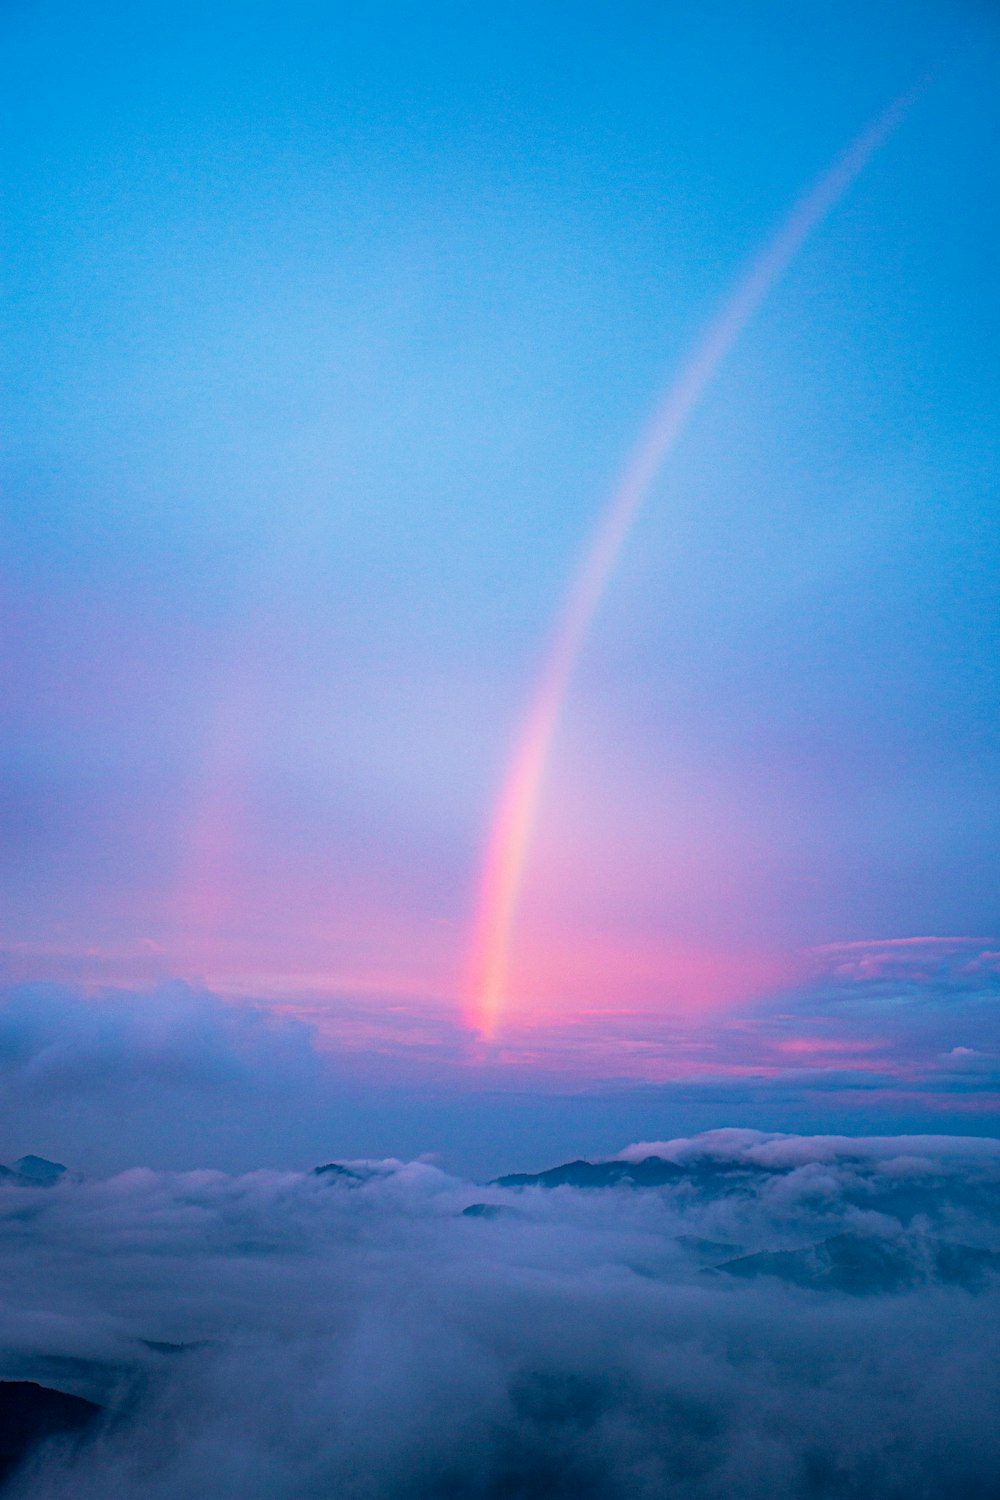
{"x": 755, "y": 1315}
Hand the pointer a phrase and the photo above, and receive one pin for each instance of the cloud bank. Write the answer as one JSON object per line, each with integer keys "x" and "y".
{"x": 903, "y": 1037}
{"x": 775, "y": 1315}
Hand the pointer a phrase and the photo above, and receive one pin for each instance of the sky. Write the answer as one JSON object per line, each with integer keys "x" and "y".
{"x": 328, "y": 333}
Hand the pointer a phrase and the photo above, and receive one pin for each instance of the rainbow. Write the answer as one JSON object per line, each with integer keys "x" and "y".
{"x": 503, "y": 864}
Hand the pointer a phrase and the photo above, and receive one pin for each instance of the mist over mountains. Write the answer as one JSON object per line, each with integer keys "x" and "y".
{"x": 736, "y": 1313}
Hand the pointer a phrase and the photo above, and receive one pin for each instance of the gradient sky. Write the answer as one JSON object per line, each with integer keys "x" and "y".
{"x": 328, "y": 330}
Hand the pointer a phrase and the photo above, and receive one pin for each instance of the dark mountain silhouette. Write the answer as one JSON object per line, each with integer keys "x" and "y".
{"x": 30, "y": 1414}
{"x": 37, "y": 1169}
{"x": 653, "y": 1171}
{"x": 866, "y": 1264}
{"x": 650, "y": 1172}
{"x": 334, "y": 1169}
{"x": 489, "y": 1211}
{"x": 33, "y": 1171}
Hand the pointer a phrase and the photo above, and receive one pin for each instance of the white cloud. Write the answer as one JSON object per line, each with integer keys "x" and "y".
{"x": 779, "y": 1150}
{"x": 365, "y": 1338}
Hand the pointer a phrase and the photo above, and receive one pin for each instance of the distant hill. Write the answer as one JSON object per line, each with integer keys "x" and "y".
{"x": 856, "y": 1263}
{"x": 33, "y": 1171}
{"x": 37, "y": 1169}
{"x": 866, "y": 1264}
{"x": 30, "y": 1414}
{"x": 649, "y": 1172}
{"x": 654, "y": 1171}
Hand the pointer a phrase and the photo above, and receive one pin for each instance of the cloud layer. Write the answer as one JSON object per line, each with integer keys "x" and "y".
{"x": 897, "y": 1036}
{"x": 275, "y": 1336}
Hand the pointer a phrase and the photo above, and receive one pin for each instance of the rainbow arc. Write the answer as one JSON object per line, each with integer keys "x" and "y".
{"x": 502, "y": 870}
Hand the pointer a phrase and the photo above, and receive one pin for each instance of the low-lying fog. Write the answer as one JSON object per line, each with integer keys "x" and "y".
{"x": 743, "y": 1315}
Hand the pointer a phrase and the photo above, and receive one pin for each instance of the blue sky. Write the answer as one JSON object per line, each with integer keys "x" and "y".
{"x": 327, "y": 331}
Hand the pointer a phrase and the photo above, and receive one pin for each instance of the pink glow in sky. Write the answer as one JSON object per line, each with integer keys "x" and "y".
{"x": 509, "y": 840}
